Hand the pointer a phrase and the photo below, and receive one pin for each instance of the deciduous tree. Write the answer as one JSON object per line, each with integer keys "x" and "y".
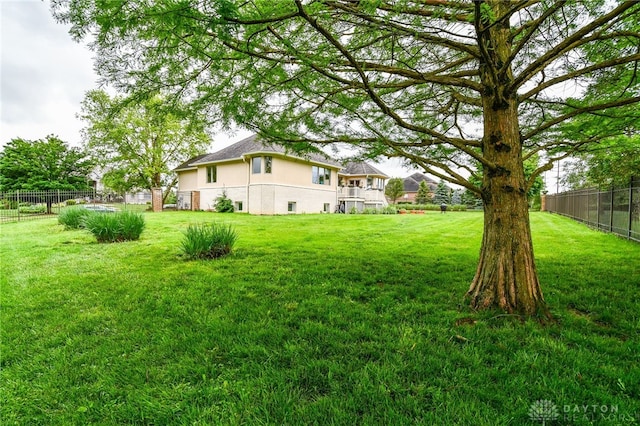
{"x": 394, "y": 189}
{"x": 43, "y": 165}
{"x": 138, "y": 143}
{"x": 444, "y": 84}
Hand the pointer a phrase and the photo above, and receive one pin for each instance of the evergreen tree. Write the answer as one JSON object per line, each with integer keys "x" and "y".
{"x": 423, "y": 196}
{"x": 443, "y": 194}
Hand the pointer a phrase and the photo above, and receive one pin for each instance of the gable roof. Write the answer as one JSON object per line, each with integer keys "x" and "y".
{"x": 412, "y": 183}
{"x": 252, "y": 145}
{"x": 360, "y": 168}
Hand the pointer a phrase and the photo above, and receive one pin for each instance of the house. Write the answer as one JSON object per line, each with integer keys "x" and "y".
{"x": 263, "y": 178}
{"x": 361, "y": 186}
{"x": 412, "y": 183}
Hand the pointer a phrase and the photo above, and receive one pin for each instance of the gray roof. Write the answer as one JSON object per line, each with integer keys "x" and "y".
{"x": 251, "y": 145}
{"x": 412, "y": 183}
{"x": 361, "y": 168}
{"x": 188, "y": 164}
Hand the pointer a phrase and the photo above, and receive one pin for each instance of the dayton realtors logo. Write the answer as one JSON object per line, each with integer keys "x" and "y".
{"x": 543, "y": 411}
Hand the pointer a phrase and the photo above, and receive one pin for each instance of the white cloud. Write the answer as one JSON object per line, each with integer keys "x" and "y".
{"x": 44, "y": 74}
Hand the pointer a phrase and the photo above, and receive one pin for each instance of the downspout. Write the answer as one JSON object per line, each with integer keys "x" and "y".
{"x": 244, "y": 159}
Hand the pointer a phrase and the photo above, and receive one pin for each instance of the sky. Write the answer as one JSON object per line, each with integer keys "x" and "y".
{"x": 44, "y": 76}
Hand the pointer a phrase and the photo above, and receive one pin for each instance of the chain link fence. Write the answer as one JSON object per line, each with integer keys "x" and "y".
{"x": 616, "y": 210}
{"x": 29, "y": 205}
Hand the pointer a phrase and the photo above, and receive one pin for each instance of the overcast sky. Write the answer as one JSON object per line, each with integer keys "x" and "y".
{"x": 44, "y": 75}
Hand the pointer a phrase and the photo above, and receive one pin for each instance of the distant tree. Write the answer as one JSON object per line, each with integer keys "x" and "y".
{"x": 456, "y": 196}
{"x": 612, "y": 162}
{"x": 44, "y": 164}
{"x": 443, "y": 194}
{"x": 394, "y": 189}
{"x": 139, "y": 143}
{"x": 536, "y": 184}
{"x": 423, "y": 196}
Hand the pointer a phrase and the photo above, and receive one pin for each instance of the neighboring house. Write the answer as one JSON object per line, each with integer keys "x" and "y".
{"x": 141, "y": 197}
{"x": 411, "y": 185}
{"x": 263, "y": 178}
{"x": 361, "y": 186}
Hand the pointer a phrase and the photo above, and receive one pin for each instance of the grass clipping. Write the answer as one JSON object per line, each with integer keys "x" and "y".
{"x": 208, "y": 240}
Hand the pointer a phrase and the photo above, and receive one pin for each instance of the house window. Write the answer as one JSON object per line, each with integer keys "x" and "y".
{"x": 238, "y": 206}
{"x": 212, "y": 174}
{"x": 320, "y": 175}
{"x": 326, "y": 208}
{"x": 354, "y": 182}
{"x": 369, "y": 182}
{"x": 256, "y": 163}
{"x": 291, "y": 207}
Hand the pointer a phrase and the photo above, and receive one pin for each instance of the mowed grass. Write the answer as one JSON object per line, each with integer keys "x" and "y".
{"x": 314, "y": 319}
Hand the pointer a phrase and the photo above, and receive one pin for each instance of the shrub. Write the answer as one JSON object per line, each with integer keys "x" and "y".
{"x": 8, "y": 204}
{"x": 73, "y": 218}
{"x": 223, "y": 204}
{"x": 115, "y": 227}
{"x": 208, "y": 240}
{"x": 389, "y": 210}
{"x": 32, "y": 209}
{"x": 70, "y": 202}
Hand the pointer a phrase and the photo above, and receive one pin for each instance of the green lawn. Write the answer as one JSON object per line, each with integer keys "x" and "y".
{"x": 316, "y": 319}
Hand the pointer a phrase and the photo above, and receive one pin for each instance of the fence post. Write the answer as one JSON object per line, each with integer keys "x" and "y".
{"x": 598, "y": 208}
{"x": 611, "y": 211}
{"x": 630, "y": 208}
{"x": 18, "y": 203}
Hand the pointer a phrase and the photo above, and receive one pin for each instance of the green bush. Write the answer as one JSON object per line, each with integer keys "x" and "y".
{"x": 208, "y": 240}
{"x": 73, "y": 218}
{"x": 115, "y": 227}
{"x": 70, "y": 202}
{"x": 389, "y": 210}
{"x": 433, "y": 207}
{"x": 223, "y": 204}
{"x": 8, "y": 204}
{"x": 32, "y": 209}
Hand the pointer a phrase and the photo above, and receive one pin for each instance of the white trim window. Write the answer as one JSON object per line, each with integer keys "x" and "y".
{"x": 320, "y": 175}
{"x": 212, "y": 174}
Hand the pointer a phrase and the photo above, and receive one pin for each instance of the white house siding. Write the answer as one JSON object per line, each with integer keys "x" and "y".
{"x": 235, "y": 193}
{"x": 275, "y": 199}
{"x": 188, "y": 180}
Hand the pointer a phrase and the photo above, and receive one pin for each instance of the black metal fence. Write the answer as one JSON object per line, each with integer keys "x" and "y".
{"x": 29, "y": 205}
{"x": 616, "y": 210}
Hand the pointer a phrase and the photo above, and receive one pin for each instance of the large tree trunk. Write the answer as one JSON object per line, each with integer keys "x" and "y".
{"x": 506, "y": 277}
